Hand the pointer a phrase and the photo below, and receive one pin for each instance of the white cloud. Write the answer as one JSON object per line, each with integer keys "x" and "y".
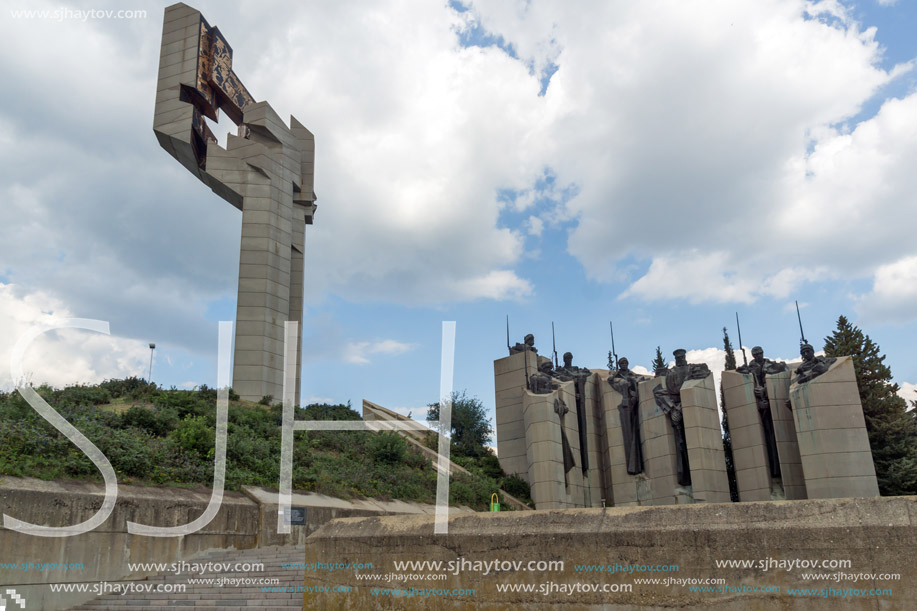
{"x": 715, "y": 276}
{"x": 706, "y": 143}
{"x": 641, "y": 370}
{"x": 908, "y": 392}
{"x": 894, "y": 293}
{"x": 691, "y": 136}
{"x": 66, "y": 356}
{"x": 887, "y": 2}
{"x": 359, "y": 353}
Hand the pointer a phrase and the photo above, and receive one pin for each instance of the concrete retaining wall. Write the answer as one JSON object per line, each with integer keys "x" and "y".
{"x": 877, "y": 536}
{"x": 244, "y": 521}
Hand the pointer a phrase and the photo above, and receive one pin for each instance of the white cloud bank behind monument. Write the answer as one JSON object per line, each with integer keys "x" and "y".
{"x": 726, "y": 151}
{"x": 723, "y": 137}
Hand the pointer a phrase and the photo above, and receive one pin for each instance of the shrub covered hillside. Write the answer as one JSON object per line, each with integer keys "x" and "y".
{"x": 155, "y": 436}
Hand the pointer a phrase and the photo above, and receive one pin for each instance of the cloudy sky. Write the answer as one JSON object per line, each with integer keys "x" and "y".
{"x": 661, "y": 164}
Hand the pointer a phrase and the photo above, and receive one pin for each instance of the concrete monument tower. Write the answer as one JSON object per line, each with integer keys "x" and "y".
{"x": 266, "y": 171}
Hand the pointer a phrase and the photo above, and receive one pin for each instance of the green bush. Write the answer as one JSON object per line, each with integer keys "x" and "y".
{"x": 83, "y": 395}
{"x": 387, "y": 447}
{"x": 194, "y": 434}
{"x": 489, "y": 466}
{"x": 130, "y": 388}
{"x": 158, "y": 421}
{"x": 518, "y": 487}
{"x": 172, "y": 442}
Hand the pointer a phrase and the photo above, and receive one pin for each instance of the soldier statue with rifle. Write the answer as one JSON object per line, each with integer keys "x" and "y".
{"x": 625, "y": 382}
{"x": 812, "y": 366}
{"x": 760, "y": 368}
{"x": 668, "y": 399}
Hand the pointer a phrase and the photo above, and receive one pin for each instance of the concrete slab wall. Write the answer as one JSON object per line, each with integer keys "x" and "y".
{"x": 550, "y": 489}
{"x": 658, "y": 450}
{"x": 876, "y": 535}
{"x": 706, "y": 456}
{"x": 602, "y": 389}
{"x": 626, "y": 489}
{"x": 245, "y": 520}
{"x": 794, "y": 482}
{"x": 831, "y": 432}
{"x": 594, "y": 416}
{"x": 749, "y": 453}
{"x": 509, "y": 384}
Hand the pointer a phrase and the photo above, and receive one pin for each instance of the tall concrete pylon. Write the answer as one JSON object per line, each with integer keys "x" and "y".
{"x": 266, "y": 171}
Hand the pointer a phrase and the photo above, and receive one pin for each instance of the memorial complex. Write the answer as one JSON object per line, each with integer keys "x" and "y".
{"x": 598, "y": 438}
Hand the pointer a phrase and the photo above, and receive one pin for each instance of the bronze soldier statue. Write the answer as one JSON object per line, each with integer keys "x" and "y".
{"x": 759, "y": 368}
{"x": 668, "y": 398}
{"x": 578, "y": 375}
{"x": 528, "y": 343}
{"x": 812, "y": 366}
{"x": 625, "y": 382}
{"x": 542, "y": 382}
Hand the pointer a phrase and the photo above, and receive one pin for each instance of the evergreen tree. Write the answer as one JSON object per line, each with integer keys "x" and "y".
{"x": 658, "y": 362}
{"x": 892, "y": 430}
{"x": 730, "y": 353}
{"x": 727, "y": 438}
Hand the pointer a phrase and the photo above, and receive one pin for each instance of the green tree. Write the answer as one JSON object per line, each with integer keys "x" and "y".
{"x": 892, "y": 430}
{"x": 471, "y": 428}
{"x": 658, "y": 362}
{"x": 727, "y": 438}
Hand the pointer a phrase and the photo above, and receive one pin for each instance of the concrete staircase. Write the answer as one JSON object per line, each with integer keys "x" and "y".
{"x": 286, "y": 595}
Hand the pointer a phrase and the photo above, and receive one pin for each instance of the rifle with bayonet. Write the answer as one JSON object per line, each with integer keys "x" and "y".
{"x": 802, "y": 336}
{"x": 741, "y": 345}
{"x": 554, "y": 346}
{"x": 613, "y": 353}
{"x": 507, "y": 336}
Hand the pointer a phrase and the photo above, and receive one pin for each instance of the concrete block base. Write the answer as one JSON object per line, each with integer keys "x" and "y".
{"x": 877, "y": 536}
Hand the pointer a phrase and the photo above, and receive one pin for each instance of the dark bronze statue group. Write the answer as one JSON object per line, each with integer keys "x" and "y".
{"x": 667, "y": 397}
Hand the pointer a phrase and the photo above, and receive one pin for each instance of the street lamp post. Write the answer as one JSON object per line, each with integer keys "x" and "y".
{"x": 150, "y": 376}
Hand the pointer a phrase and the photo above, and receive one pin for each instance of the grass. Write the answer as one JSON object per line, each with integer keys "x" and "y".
{"x": 154, "y": 436}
